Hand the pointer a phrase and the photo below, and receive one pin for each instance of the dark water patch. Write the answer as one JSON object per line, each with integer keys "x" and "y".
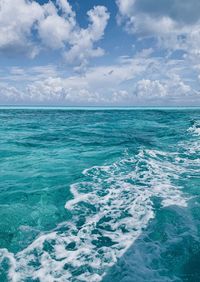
{"x": 168, "y": 250}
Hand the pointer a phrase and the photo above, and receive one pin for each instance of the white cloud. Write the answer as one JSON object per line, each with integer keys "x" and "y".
{"x": 16, "y": 22}
{"x": 172, "y": 87}
{"x": 35, "y": 27}
{"x": 55, "y": 31}
{"x": 10, "y": 94}
{"x": 137, "y": 80}
{"x": 142, "y": 80}
{"x": 175, "y": 24}
{"x": 150, "y": 88}
{"x": 83, "y": 39}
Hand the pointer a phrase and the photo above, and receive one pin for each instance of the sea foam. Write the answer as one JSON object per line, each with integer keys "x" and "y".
{"x": 195, "y": 128}
{"x": 110, "y": 209}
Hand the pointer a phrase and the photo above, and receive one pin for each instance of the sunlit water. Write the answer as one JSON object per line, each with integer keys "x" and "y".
{"x": 99, "y": 195}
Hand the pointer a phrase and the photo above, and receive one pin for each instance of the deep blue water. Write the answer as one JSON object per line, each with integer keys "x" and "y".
{"x": 99, "y": 195}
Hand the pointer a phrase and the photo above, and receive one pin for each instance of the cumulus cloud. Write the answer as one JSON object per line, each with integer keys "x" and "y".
{"x": 28, "y": 27}
{"x": 10, "y": 94}
{"x": 142, "y": 80}
{"x": 16, "y": 22}
{"x": 172, "y": 87}
{"x": 150, "y": 88}
{"x": 83, "y": 40}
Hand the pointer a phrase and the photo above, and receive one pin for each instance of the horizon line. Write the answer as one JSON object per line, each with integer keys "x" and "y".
{"x": 94, "y": 107}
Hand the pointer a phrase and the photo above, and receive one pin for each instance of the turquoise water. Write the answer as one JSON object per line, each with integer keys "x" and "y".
{"x": 99, "y": 195}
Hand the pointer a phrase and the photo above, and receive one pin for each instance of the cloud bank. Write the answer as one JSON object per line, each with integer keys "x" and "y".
{"x": 141, "y": 80}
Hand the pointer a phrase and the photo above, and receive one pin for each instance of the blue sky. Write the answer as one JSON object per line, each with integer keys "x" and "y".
{"x": 98, "y": 53}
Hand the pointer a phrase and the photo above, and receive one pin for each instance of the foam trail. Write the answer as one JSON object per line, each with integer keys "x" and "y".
{"x": 110, "y": 208}
{"x": 109, "y": 211}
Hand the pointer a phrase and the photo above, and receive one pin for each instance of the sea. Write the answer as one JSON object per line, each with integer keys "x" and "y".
{"x": 99, "y": 194}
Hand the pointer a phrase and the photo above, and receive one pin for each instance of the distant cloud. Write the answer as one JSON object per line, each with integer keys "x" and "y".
{"x": 172, "y": 87}
{"x": 27, "y": 27}
{"x": 142, "y": 80}
{"x": 10, "y": 94}
{"x": 150, "y": 88}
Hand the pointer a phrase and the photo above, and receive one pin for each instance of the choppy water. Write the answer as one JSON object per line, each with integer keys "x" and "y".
{"x": 99, "y": 195}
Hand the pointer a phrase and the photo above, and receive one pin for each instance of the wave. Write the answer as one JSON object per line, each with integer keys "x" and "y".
{"x": 110, "y": 209}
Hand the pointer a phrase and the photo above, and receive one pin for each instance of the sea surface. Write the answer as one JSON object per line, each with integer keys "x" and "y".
{"x": 109, "y": 195}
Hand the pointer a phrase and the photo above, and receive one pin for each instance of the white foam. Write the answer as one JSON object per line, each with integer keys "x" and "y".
{"x": 195, "y": 129}
{"x": 115, "y": 204}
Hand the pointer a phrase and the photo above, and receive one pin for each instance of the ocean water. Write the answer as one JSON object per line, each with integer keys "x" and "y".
{"x": 99, "y": 195}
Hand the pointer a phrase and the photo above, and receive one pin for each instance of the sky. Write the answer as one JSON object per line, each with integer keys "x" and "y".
{"x": 100, "y": 53}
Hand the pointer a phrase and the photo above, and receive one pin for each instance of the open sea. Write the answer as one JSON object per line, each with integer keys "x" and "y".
{"x": 90, "y": 195}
